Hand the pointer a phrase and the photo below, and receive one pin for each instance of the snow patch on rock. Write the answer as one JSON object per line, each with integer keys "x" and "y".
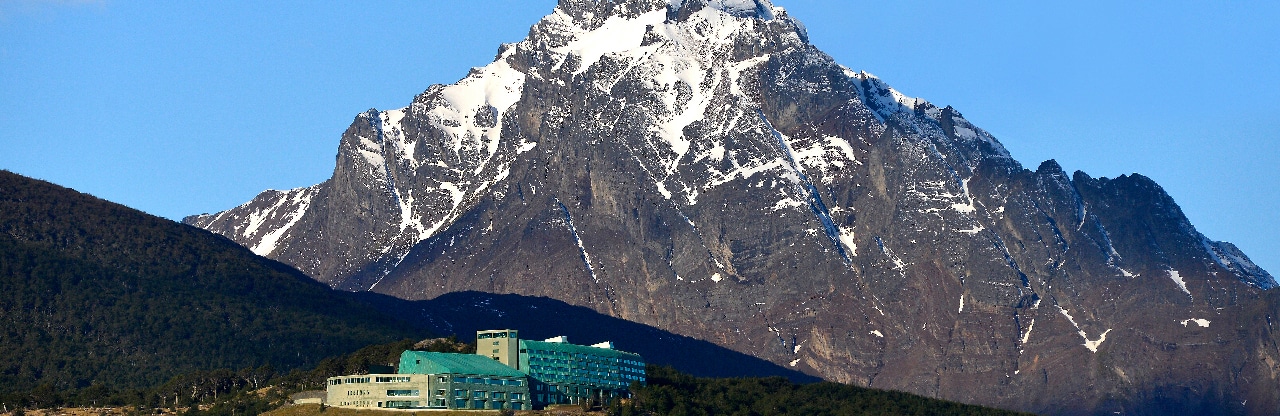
{"x": 1092, "y": 345}
{"x": 1177, "y": 280}
{"x": 1201, "y": 322}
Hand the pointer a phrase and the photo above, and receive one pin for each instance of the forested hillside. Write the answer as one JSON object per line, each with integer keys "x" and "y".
{"x": 671, "y": 392}
{"x": 94, "y": 293}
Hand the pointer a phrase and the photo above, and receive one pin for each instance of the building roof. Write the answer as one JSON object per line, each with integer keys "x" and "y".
{"x": 420, "y": 362}
{"x": 578, "y": 349}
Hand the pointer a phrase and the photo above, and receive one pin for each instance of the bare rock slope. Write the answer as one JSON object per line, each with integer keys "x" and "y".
{"x": 699, "y": 166}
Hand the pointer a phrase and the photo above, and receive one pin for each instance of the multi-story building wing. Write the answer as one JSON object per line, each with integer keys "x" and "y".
{"x": 403, "y": 391}
{"x": 466, "y": 381}
{"x": 568, "y": 373}
{"x": 432, "y": 380}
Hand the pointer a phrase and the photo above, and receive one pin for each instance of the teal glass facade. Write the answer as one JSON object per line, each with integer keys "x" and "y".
{"x": 565, "y": 373}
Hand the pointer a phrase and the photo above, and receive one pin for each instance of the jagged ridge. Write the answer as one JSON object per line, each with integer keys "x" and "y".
{"x": 699, "y": 166}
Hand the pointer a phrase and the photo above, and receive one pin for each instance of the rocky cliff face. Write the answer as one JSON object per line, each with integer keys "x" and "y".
{"x": 698, "y": 166}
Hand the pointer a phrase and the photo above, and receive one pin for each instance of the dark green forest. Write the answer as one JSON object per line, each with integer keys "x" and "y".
{"x": 94, "y": 295}
{"x": 670, "y": 392}
{"x": 230, "y": 392}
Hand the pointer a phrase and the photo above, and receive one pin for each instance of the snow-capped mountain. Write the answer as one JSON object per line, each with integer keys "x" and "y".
{"x": 699, "y": 166}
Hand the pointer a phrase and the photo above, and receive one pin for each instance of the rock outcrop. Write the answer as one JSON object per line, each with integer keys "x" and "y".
{"x": 700, "y": 167}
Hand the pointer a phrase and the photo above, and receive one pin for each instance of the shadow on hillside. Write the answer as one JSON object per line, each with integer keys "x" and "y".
{"x": 463, "y": 313}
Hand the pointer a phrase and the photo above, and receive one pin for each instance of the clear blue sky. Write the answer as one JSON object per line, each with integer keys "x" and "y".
{"x": 185, "y": 107}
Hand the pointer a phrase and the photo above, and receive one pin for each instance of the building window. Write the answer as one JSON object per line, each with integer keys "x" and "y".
{"x": 459, "y": 393}
{"x": 477, "y": 394}
{"x": 402, "y": 393}
{"x": 440, "y": 392}
{"x": 460, "y": 403}
{"x": 497, "y": 395}
{"x": 517, "y": 396}
{"x": 401, "y": 404}
{"x": 477, "y": 404}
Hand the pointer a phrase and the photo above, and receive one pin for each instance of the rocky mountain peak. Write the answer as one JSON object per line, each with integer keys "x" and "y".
{"x": 699, "y": 166}
{"x": 591, "y": 14}
{"x": 680, "y": 10}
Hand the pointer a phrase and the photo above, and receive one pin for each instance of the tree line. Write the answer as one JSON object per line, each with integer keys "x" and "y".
{"x": 670, "y": 392}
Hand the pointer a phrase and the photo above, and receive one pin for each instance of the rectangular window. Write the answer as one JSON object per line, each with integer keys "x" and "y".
{"x": 495, "y": 381}
{"x": 477, "y": 394}
{"x": 460, "y": 404}
{"x": 474, "y": 380}
{"x": 517, "y": 396}
{"x": 401, "y": 404}
{"x": 440, "y": 392}
{"x": 477, "y": 404}
{"x": 497, "y": 395}
{"x": 391, "y": 379}
{"x": 459, "y": 393}
{"x": 402, "y": 393}
{"x": 515, "y": 382}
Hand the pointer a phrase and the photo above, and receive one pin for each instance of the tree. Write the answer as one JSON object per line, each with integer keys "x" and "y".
{"x": 44, "y": 395}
